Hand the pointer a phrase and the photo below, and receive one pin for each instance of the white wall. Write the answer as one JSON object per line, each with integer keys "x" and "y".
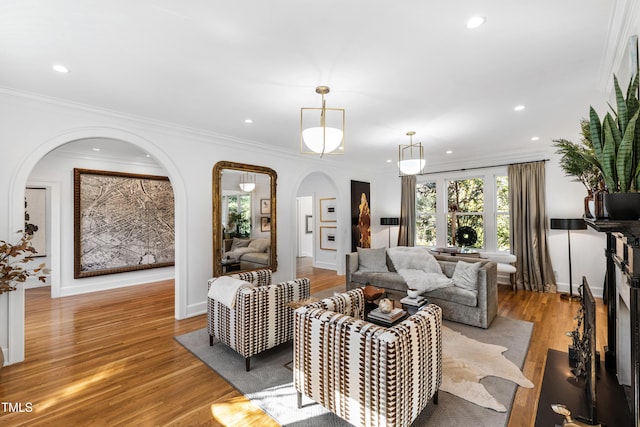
{"x": 32, "y": 127}
{"x": 565, "y": 199}
{"x": 305, "y": 240}
{"x": 385, "y": 203}
{"x": 56, "y": 168}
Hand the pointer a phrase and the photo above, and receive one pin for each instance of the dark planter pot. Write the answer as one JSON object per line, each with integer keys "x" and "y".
{"x": 623, "y": 206}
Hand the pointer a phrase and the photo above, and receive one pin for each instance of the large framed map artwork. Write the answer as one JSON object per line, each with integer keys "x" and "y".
{"x": 122, "y": 222}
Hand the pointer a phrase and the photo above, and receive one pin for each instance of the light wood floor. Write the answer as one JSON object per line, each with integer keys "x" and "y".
{"x": 109, "y": 359}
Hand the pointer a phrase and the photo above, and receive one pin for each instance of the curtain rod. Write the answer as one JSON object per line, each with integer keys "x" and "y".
{"x": 485, "y": 167}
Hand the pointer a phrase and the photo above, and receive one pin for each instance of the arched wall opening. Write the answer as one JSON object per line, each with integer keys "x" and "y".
{"x": 318, "y": 185}
{"x": 16, "y": 222}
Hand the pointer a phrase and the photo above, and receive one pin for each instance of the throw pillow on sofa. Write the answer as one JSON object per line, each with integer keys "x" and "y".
{"x": 260, "y": 245}
{"x": 372, "y": 260}
{"x": 465, "y": 275}
{"x": 239, "y": 243}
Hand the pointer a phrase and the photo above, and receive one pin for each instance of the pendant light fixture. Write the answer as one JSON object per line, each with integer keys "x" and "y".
{"x": 247, "y": 182}
{"x": 410, "y": 157}
{"x": 322, "y": 129}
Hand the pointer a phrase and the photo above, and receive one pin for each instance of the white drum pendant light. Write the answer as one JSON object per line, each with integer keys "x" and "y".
{"x": 411, "y": 157}
{"x": 322, "y": 129}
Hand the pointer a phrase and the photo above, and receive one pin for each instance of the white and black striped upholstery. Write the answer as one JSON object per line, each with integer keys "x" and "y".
{"x": 367, "y": 374}
{"x": 261, "y": 318}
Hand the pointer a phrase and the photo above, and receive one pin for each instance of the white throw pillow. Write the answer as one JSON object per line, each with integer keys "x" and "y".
{"x": 372, "y": 260}
{"x": 465, "y": 275}
{"x": 260, "y": 245}
{"x": 239, "y": 243}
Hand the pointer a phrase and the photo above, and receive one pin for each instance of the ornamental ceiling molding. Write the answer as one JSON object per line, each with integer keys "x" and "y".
{"x": 625, "y": 22}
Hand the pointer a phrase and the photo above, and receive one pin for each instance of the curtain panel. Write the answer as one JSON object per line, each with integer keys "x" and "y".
{"x": 528, "y": 219}
{"x": 407, "y": 232}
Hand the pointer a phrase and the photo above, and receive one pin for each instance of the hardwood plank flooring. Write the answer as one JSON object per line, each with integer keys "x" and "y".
{"x": 109, "y": 359}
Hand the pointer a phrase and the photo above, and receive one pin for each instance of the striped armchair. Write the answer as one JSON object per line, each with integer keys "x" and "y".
{"x": 261, "y": 318}
{"x": 367, "y": 374}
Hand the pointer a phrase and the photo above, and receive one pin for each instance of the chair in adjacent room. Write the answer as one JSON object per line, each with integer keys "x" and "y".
{"x": 259, "y": 316}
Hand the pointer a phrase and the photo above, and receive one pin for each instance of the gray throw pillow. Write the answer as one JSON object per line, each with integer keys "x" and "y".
{"x": 372, "y": 260}
{"x": 465, "y": 275}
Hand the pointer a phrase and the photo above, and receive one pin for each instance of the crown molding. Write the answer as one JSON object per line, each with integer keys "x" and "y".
{"x": 167, "y": 128}
{"x": 625, "y": 21}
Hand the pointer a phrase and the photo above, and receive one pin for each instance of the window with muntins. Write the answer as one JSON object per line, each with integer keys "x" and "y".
{"x": 477, "y": 201}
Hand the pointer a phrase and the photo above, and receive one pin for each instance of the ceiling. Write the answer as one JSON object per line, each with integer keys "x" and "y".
{"x": 394, "y": 67}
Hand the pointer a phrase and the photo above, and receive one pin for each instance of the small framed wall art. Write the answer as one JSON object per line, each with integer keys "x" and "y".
{"x": 308, "y": 227}
{"x": 328, "y": 210}
{"x": 265, "y": 206}
{"x": 328, "y": 238}
{"x": 265, "y": 223}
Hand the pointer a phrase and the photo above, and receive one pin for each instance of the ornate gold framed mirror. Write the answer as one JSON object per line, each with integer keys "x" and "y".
{"x": 244, "y": 218}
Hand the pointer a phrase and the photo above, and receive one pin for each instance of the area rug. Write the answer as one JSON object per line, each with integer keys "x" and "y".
{"x": 269, "y": 384}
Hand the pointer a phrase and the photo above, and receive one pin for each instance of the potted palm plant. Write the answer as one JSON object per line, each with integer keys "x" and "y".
{"x": 578, "y": 161}
{"x": 616, "y": 145}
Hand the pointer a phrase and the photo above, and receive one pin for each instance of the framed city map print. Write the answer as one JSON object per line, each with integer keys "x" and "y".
{"x": 122, "y": 222}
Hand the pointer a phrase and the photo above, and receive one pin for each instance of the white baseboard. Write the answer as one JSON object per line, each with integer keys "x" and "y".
{"x": 325, "y": 265}
{"x": 595, "y": 290}
{"x": 114, "y": 284}
{"x": 197, "y": 309}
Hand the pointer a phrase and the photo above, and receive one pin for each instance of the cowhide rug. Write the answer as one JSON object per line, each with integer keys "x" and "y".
{"x": 465, "y": 362}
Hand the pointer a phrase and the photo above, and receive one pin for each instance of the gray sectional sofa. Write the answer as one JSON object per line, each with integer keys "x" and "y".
{"x": 476, "y": 308}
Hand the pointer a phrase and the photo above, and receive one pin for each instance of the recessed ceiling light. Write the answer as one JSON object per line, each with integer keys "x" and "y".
{"x": 449, "y": 152}
{"x": 95, "y": 149}
{"x": 518, "y": 108}
{"x": 248, "y": 121}
{"x": 475, "y": 22}
{"x": 535, "y": 138}
{"x": 388, "y": 160}
{"x": 147, "y": 155}
{"x": 60, "y": 68}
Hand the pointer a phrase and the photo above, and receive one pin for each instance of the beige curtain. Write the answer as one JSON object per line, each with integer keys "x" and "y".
{"x": 407, "y": 233}
{"x": 529, "y": 227}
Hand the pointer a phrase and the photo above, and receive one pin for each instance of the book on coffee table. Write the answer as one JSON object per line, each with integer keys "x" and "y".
{"x": 415, "y": 302}
{"x": 395, "y": 314}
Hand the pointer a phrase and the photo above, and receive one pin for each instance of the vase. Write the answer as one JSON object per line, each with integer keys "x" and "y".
{"x": 622, "y": 206}
{"x": 588, "y": 201}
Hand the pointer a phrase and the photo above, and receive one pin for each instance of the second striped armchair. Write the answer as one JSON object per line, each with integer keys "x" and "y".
{"x": 261, "y": 318}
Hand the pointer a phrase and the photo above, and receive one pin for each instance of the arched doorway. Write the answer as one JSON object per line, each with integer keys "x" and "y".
{"x": 16, "y": 221}
{"x": 315, "y": 191}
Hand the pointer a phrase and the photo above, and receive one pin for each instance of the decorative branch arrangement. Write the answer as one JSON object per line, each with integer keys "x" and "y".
{"x": 13, "y": 258}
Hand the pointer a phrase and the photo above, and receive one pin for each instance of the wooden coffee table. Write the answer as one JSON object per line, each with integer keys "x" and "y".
{"x": 229, "y": 265}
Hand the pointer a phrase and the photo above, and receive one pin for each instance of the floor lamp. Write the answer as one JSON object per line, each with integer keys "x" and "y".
{"x": 389, "y": 222}
{"x": 569, "y": 224}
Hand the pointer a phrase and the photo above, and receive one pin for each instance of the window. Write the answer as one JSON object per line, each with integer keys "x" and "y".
{"x": 466, "y": 205}
{"x": 503, "y": 230}
{"x": 478, "y": 199}
{"x": 236, "y": 215}
{"x": 426, "y": 214}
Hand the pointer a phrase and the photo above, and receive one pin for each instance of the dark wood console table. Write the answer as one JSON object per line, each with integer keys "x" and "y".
{"x": 623, "y": 272}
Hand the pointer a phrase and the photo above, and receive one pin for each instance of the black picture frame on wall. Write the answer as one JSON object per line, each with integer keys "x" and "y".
{"x": 360, "y": 215}
{"x": 308, "y": 224}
